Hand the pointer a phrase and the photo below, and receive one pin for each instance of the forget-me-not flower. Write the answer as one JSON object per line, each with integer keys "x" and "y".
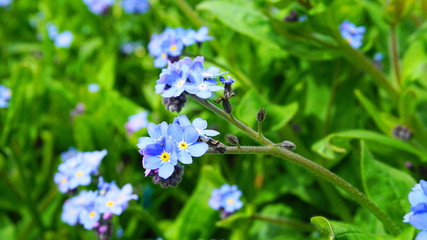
{"x": 161, "y": 156}
{"x": 186, "y": 142}
{"x": 418, "y": 215}
{"x": 99, "y": 6}
{"x": 5, "y": 3}
{"x": 226, "y": 198}
{"x": 137, "y": 122}
{"x": 352, "y": 34}
{"x": 5, "y": 95}
{"x": 135, "y": 6}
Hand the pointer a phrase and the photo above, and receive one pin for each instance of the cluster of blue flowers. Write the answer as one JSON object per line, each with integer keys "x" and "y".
{"x": 169, "y": 45}
{"x": 136, "y": 122}
{"x": 135, "y": 6}
{"x": 186, "y": 76}
{"x": 5, "y": 95}
{"x": 418, "y": 215}
{"x": 352, "y": 34}
{"x": 76, "y": 169}
{"x": 129, "y": 6}
{"x": 92, "y": 209}
{"x": 61, "y": 40}
{"x": 226, "y": 199}
{"x": 169, "y": 144}
{"x": 99, "y": 6}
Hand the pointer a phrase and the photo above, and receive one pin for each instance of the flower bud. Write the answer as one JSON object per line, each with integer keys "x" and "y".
{"x": 288, "y": 145}
{"x": 261, "y": 115}
{"x": 227, "y": 106}
{"x": 402, "y": 132}
{"x": 232, "y": 140}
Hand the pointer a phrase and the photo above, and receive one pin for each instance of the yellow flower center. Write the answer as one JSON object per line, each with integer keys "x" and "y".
{"x": 182, "y": 145}
{"x": 173, "y": 47}
{"x": 63, "y": 180}
{"x": 79, "y": 174}
{"x": 110, "y": 204}
{"x": 180, "y": 83}
{"x": 165, "y": 157}
{"x": 164, "y": 55}
{"x": 92, "y": 214}
{"x": 230, "y": 201}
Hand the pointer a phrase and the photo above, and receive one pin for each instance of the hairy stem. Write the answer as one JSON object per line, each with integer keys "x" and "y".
{"x": 301, "y": 161}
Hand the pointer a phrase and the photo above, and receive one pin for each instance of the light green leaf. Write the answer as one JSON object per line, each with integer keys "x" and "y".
{"x": 387, "y": 187}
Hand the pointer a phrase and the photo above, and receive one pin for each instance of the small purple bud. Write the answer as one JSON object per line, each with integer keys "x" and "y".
{"x": 107, "y": 216}
{"x": 103, "y": 229}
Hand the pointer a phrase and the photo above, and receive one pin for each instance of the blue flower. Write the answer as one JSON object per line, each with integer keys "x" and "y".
{"x": 115, "y": 200}
{"x": 93, "y": 87}
{"x": 135, "y": 6}
{"x": 378, "y": 57}
{"x": 224, "y": 81}
{"x": 418, "y": 215}
{"x": 226, "y": 198}
{"x": 156, "y": 133}
{"x": 73, "y": 207}
{"x": 161, "y": 156}
{"x": 61, "y": 40}
{"x": 202, "y": 35}
{"x": 202, "y": 87}
{"x": 137, "y": 122}
{"x": 99, "y": 6}
{"x": 5, "y": 95}
{"x": 176, "y": 82}
{"x": 352, "y": 34}
{"x": 5, "y": 3}
{"x": 130, "y": 47}
{"x": 186, "y": 142}
{"x": 89, "y": 218}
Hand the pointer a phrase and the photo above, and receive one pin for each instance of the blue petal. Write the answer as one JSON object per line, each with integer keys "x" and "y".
{"x": 419, "y": 221}
{"x": 153, "y": 150}
{"x": 190, "y": 134}
{"x": 144, "y": 141}
{"x": 152, "y": 130}
{"x": 166, "y": 170}
{"x": 204, "y": 94}
{"x": 150, "y": 162}
{"x": 185, "y": 157}
{"x": 417, "y": 196}
{"x": 198, "y": 149}
{"x": 169, "y": 93}
{"x": 200, "y": 123}
{"x": 210, "y": 133}
{"x": 182, "y": 120}
{"x": 421, "y": 235}
{"x": 176, "y": 132}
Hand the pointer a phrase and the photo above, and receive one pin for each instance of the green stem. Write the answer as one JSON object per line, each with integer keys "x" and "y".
{"x": 321, "y": 172}
{"x": 395, "y": 55}
{"x": 300, "y": 161}
{"x": 286, "y": 222}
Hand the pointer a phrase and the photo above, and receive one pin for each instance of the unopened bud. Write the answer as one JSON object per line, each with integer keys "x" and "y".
{"x": 232, "y": 140}
{"x": 261, "y": 115}
{"x": 227, "y": 106}
{"x": 288, "y": 145}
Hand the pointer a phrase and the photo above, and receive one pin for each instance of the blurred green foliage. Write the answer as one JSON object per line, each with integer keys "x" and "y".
{"x": 331, "y": 100}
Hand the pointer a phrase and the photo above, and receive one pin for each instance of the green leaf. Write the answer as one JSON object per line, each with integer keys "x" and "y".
{"x": 384, "y": 121}
{"x": 342, "y": 231}
{"x": 387, "y": 187}
{"x": 336, "y": 145}
{"x": 196, "y": 220}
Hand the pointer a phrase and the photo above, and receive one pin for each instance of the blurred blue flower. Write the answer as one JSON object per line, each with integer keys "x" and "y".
{"x": 169, "y": 44}
{"x": 352, "y": 34}
{"x": 161, "y": 156}
{"x": 99, "y": 6}
{"x": 115, "y": 200}
{"x": 89, "y": 218}
{"x": 5, "y": 3}
{"x": 137, "y": 122}
{"x": 378, "y": 57}
{"x": 73, "y": 207}
{"x": 129, "y": 47}
{"x": 186, "y": 142}
{"x": 226, "y": 198}
{"x": 61, "y": 40}
{"x": 76, "y": 168}
{"x": 418, "y": 215}
{"x": 5, "y": 95}
{"x": 93, "y": 87}
{"x": 135, "y": 6}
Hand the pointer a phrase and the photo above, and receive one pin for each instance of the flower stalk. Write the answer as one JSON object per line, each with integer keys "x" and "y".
{"x": 272, "y": 149}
